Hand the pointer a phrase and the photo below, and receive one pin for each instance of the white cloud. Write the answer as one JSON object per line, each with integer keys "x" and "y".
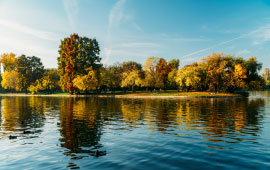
{"x": 116, "y": 14}
{"x": 139, "y": 45}
{"x": 115, "y": 17}
{"x": 21, "y": 45}
{"x": 72, "y": 9}
{"x": 45, "y": 35}
{"x": 261, "y": 35}
{"x": 216, "y": 45}
{"x": 181, "y": 39}
{"x": 22, "y": 39}
{"x": 136, "y": 26}
{"x": 243, "y": 52}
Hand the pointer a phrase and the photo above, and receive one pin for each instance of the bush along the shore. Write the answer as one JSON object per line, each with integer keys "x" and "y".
{"x": 80, "y": 72}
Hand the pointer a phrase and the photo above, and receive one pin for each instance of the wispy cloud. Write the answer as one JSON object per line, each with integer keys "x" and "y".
{"x": 243, "y": 52}
{"x": 181, "y": 39}
{"x": 116, "y": 14}
{"x": 136, "y": 26}
{"x": 217, "y": 45}
{"x": 45, "y": 35}
{"x": 72, "y": 9}
{"x": 139, "y": 45}
{"x": 261, "y": 35}
{"x": 20, "y": 44}
{"x": 115, "y": 17}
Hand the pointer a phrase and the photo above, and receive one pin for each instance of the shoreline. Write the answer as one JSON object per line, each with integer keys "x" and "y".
{"x": 127, "y": 96}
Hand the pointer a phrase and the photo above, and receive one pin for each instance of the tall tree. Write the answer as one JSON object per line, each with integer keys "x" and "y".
{"x": 76, "y": 55}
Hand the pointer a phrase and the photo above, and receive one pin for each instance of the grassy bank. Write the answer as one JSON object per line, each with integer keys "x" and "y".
{"x": 168, "y": 94}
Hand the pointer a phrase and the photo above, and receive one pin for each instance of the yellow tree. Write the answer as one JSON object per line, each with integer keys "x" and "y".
{"x": 9, "y": 79}
{"x": 36, "y": 87}
{"x": 131, "y": 79}
{"x": 8, "y": 61}
{"x": 86, "y": 82}
{"x": 239, "y": 74}
{"x": 188, "y": 77}
{"x": 149, "y": 68}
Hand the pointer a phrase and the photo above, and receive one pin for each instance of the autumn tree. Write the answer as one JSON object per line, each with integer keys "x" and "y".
{"x": 10, "y": 79}
{"x": 48, "y": 83}
{"x": 76, "y": 55}
{"x": 189, "y": 78}
{"x": 131, "y": 74}
{"x": 131, "y": 79}
{"x": 156, "y": 73}
{"x": 86, "y": 82}
{"x": 8, "y": 61}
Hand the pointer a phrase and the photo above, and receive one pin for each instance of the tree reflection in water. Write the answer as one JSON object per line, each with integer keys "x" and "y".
{"x": 82, "y": 120}
{"x": 22, "y": 115}
{"x": 211, "y": 117}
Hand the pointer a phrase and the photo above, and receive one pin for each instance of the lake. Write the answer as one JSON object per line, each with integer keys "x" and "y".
{"x": 107, "y": 133}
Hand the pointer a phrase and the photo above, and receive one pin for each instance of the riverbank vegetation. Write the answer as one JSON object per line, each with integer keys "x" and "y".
{"x": 80, "y": 71}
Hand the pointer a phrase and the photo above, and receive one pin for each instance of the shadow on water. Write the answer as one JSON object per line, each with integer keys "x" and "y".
{"x": 83, "y": 121}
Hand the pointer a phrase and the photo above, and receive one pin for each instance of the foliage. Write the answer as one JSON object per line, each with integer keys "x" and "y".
{"x": 86, "y": 82}
{"x": 29, "y": 69}
{"x": 130, "y": 65}
{"x": 9, "y": 79}
{"x": 76, "y": 54}
{"x": 47, "y": 83}
{"x": 8, "y": 61}
{"x": 111, "y": 76}
{"x": 189, "y": 78}
{"x": 156, "y": 73}
{"x": 221, "y": 73}
{"x": 131, "y": 79}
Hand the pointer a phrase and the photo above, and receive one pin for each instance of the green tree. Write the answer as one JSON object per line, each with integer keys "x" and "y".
{"x": 111, "y": 77}
{"x": 130, "y": 66}
{"x": 172, "y": 72}
{"x": 29, "y": 69}
{"x": 253, "y": 79}
{"x": 48, "y": 83}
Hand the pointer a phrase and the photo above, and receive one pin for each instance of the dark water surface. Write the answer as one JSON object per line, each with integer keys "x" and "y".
{"x": 65, "y": 133}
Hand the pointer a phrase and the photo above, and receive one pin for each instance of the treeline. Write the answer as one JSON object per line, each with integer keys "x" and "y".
{"x": 80, "y": 71}
{"x": 25, "y": 73}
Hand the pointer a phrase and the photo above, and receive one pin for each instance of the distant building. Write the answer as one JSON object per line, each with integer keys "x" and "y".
{"x": 266, "y": 74}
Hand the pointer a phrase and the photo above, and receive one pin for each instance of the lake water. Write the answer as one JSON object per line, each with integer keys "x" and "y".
{"x": 192, "y": 133}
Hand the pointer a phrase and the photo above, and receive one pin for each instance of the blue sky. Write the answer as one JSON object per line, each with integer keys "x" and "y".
{"x": 137, "y": 29}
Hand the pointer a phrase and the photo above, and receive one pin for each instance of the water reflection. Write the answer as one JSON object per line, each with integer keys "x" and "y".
{"x": 81, "y": 126}
{"x": 82, "y": 122}
{"x": 22, "y": 116}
